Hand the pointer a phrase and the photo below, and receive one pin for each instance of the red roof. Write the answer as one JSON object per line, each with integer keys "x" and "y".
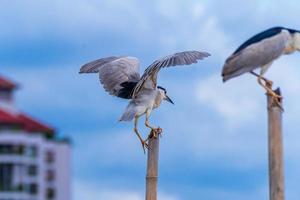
{"x": 6, "y": 118}
{"x": 32, "y": 125}
{"x": 27, "y": 123}
{"x": 7, "y": 84}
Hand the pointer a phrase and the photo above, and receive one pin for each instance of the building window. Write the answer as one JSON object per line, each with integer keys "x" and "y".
{"x": 5, "y": 94}
{"x": 50, "y": 175}
{"x": 50, "y": 194}
{"x": 20, "y": 187}
{"x": 33, "y": 189}
{"x": 10, "y": 178}
{"x": 6, "y": 149}
{"x": 32, "y": 170}
{"x": 31, "y": 151}
{"x": 49, "y": 157}
{"x": 21, "y": 149}
{"x": 11, "y": 149}
{"x": 6, "y": 177}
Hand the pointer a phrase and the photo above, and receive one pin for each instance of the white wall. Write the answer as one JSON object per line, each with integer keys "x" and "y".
{"x": 61, "y": 165}
{"x": 63, "y": 171}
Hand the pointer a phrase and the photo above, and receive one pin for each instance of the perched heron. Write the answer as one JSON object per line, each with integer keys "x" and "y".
{"x": 120, "y": 77}
{"x": 259, "y": 52}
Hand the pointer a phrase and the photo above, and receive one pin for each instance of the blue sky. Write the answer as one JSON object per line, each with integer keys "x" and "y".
{"x": 215, "y": 137}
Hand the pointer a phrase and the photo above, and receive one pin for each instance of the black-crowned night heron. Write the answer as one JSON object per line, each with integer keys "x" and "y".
{"x": 120, "y": 77}
{"x": 259, "y": 52}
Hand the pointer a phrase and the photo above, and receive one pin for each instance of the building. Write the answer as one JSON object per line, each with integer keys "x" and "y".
{"x": 34, "y": 163}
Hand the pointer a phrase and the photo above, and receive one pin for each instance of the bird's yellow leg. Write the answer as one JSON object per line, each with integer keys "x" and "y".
{"x": 268, "y": 87}
{"x": 267, "y": 81}
{"x": 144, "y": 142}
{"x": 156, "y": 131}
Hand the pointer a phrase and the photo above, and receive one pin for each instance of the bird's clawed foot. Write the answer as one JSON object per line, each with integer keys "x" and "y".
{"x": 276, "y": 98}
{"x": 155, "y": 132}
{"x": 145, "y": 145}
{"x": 268, "y": 82}
{"x": 274, "y": 95}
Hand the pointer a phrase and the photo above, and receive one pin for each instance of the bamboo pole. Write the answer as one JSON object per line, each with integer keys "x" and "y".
{"x": 276, "y": 168}
{"x": 152, "y": 167}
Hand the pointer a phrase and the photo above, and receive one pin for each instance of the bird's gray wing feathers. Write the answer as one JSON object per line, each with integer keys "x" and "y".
{"x": 254, "y": 56}
{"x": 149, "y": 78}
{"x": 94, "y": 66}
{"x": 118, "y": 75}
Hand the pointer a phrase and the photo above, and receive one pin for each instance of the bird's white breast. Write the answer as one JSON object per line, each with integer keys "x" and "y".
{"x": 290, "y": 42}
{"x": 296, "y": 42}
{"x": 145, "y": 100}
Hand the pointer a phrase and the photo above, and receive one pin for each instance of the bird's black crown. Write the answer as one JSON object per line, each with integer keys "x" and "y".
{"x": 159, "y": 87}
{"x": 292, "y": 31}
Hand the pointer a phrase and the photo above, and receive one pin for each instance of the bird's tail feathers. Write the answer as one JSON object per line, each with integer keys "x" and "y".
{"x": 228, "y": 77}
{"x": 229, "y": 73}
{"x": 128, "y": 115}
{"x": 225, "y": 78}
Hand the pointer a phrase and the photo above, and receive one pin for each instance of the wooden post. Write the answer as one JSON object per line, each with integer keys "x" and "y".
{"x": 276, "y": 168}
{"x": 152, "y": 167}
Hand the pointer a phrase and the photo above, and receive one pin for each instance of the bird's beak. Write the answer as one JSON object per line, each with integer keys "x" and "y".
{"x": 169, "y": 100}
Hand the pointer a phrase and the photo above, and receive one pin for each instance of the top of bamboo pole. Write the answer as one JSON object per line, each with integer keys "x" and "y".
{"x": 272, "y": 103}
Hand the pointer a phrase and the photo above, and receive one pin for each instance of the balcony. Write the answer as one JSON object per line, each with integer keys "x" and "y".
{"x": 17, "y": 153}
{"x": 17, "y": 159}
{"x": 14, "y": 195}
{"x": 17, "y": 195}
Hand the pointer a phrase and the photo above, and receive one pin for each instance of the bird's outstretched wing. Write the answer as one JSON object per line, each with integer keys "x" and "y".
{"x": 118, "y": 74}
{"x": 149, "y": 78}
{"x": 252, "y": 55}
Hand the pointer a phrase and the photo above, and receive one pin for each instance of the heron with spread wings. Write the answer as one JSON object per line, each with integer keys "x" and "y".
{"x": 120, "y": 77}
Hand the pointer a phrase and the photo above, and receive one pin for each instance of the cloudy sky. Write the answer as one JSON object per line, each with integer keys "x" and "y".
{"x": 215, "y": 137}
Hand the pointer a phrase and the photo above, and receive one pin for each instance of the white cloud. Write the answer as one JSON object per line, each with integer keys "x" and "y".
{"x": 219, "y": 193}
{"x": 122, "y": 146}
{"x": 237, "y": 101}
{"x": 83, "y": 190}
{"x": 94, "y": 192}
{"x": 72, "y": 20}
{"x": 212, "y": 37}
{"x": 184, "y": 25}
{"x": 192, "y": 26}
{"x": 180, "y": 10}
{"x": 285, "y": 74}
{"x": 63, "y": 88}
